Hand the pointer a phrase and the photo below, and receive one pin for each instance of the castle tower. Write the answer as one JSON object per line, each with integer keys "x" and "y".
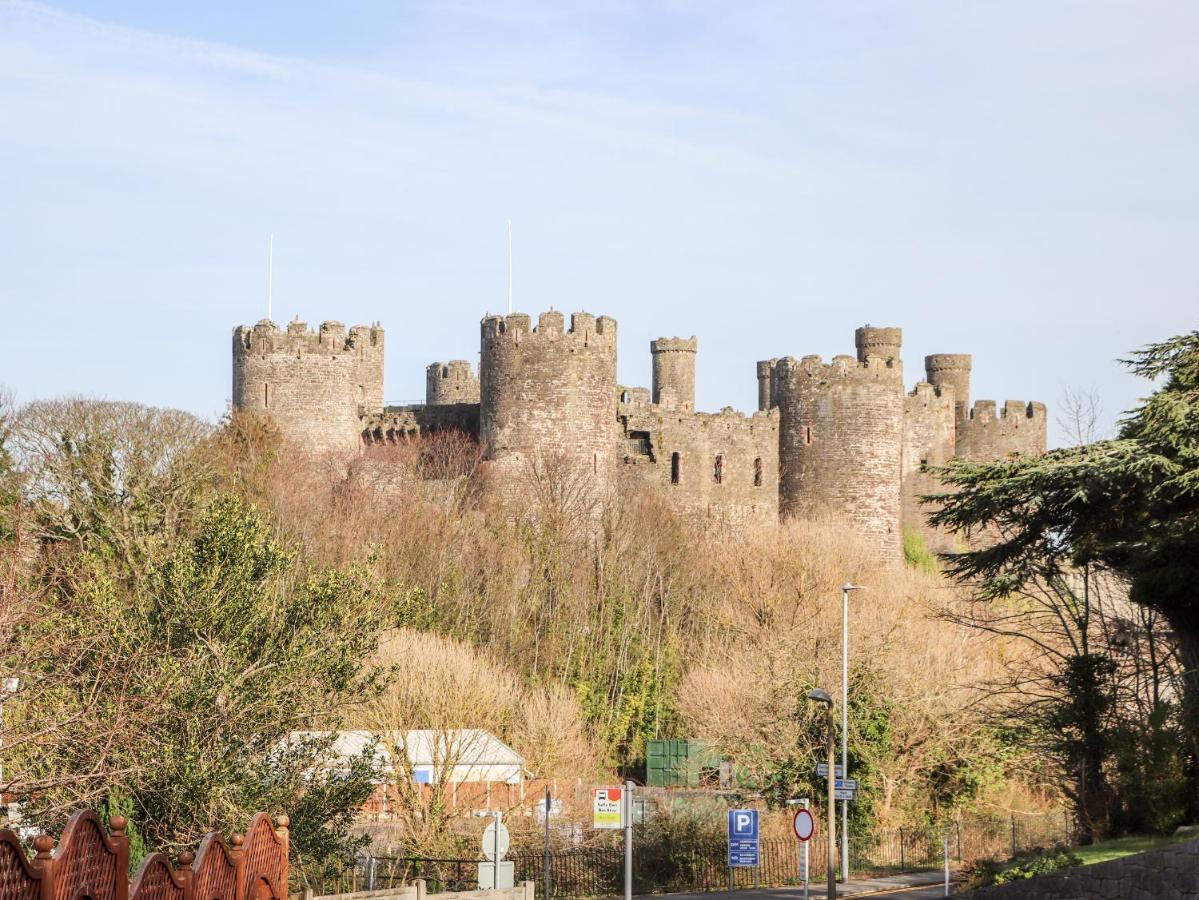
{"x": 314, "y": 385}
{"x": 951, "y": 369}
{"x": 451, "y": 382}
{"x": 840, "y": 435}
{"x": 765, "y": 383}
{"x": 548, "y": 396}
{"x": 674, "y": 372}
{"x": 881, "y": 342}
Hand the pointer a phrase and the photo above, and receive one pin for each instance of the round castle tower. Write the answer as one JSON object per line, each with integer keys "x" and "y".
{"x": 451, "y": 382}
{"x": 840, "y": 436}
{"x": 674, "y": 372}
{"x": 952, "y": 369}
{"x": 314, "y": 385}
{"x": 548, "y": 395}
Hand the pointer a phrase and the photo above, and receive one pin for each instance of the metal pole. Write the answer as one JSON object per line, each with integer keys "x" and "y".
{"x": 947, "y": 864}
{"x": 628, "y": 841}
{"x": 803, "y": 869}
{"x": 832, "y": 805}
{"x": 844, "y": 728}
{"x": 495, "y": 863}
{"x": 545, "y": 860}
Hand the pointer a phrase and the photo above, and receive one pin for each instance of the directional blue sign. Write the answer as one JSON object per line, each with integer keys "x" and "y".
{"x": 743, "y": 838}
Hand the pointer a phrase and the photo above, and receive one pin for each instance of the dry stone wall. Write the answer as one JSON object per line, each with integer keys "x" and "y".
{"x": 1171, "y": 873}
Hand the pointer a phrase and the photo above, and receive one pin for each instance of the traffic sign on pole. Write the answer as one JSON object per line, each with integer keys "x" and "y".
{"x": 743, "y": 838}
{"x": 822, "y": 770}
{"x": 845, "y": 795}
{"x": 803, "y": 824}
{"x": 846, "y": 784}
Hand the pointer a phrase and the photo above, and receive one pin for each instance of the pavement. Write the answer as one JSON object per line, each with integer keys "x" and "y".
{"x": 920, "y": 885}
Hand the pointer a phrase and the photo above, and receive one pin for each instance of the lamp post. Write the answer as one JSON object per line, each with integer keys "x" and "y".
{"x": 845, "y": 589}
{"x": 822, "y": 696}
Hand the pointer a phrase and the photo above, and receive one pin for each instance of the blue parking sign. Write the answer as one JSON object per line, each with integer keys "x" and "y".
{"x": 743, "y": 838}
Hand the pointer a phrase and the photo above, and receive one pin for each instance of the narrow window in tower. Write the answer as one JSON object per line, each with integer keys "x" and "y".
{"x": 594, "y": 463}
{"x": 266, "y": 396}
{"x": 758, "y": 472}
{"x": 718, "y": 470}
{"x": 675, "y": 467}
{"x": 807, "y": 438}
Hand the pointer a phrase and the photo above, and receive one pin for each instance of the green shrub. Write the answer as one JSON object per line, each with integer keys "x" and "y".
{"x": 916, "y": 553}
{"x": 1026, "y": 864}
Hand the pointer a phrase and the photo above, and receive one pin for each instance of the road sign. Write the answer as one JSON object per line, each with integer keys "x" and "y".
{"x": 845, "y": 795}
{"x": 846, "y": 784}
{"x": 607, "y": 810}
{"x": 489, "y": 841}
{"x": 803, "y": 824}
{"x": 555, "y": 809}
{"x": 743, "y": 838}
{"x": 822, "y": 770}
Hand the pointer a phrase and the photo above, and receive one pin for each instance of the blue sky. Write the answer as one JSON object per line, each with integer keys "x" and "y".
{"x": 1013, "y": 180}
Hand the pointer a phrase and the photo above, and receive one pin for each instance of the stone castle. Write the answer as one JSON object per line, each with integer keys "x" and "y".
{"x": 841, "y": 438}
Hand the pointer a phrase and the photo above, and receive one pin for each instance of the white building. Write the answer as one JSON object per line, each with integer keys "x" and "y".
{"x": 450, "y": 756}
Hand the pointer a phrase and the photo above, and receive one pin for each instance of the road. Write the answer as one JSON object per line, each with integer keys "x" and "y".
{"x": 902, "y": 887}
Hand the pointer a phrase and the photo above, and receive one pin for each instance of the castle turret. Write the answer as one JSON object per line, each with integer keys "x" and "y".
{"x": 315, "y": 386}
{"x": 881, "y": 342}
{"x": 765, "y": 383}
{"x": 840, "y": 435}
{"x": 674, "y": 372}
{"x": 548, "y": 396}
{"x": 451, "y": 382}
{"x": 951, "y": 369}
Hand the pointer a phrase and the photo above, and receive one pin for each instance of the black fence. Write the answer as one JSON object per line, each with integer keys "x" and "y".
{"x": 662, "y": 867}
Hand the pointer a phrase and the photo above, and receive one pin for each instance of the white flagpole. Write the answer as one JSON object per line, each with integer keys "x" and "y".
{"x": 270, "y": 273}
{"x": 509, "y": 267}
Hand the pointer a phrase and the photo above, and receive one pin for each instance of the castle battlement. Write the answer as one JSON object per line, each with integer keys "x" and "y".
{"x": 841, "y": 367}
{"x": 930, "y": 394}
{"x": 265, "y": 337}
{"x": 585, "y": 330}
{"x": 989, "y": 410}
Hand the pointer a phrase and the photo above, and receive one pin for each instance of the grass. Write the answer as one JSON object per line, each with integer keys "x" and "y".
{"x": 1126, "y": 846}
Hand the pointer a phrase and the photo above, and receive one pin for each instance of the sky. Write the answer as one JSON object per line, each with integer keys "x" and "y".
{"x": 1015, "y": 180}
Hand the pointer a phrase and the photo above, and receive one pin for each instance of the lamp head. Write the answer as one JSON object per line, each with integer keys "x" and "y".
{"x": 847, "y": 587}
{"x": 820, "y": 695}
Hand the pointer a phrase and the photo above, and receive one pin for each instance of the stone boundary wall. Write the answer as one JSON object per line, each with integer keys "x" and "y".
{"x": 1166, "y": 874}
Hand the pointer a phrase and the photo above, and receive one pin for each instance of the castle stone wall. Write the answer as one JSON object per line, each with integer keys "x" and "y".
{"x": 548, "y": 395}
{"x": 929, "y": 439}
{"x": 674, "y": 372}
{"x": 726, "y": 463}
{"x": 313, "y": 385}
{"x": 951, "y": 370}
{"x": 840, "y": 431}
{"x": 990, "y": 433}
{"x": 451, "y": 382}
{"x": 398, "y": 422}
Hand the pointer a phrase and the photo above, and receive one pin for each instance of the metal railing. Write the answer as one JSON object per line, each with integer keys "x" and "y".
{"x": 663, "y": 867}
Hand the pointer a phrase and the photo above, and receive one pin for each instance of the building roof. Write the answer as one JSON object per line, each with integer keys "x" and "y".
{"x": 460, "y": 747}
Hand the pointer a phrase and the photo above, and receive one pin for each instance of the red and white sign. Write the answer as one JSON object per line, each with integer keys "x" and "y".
{"x": 803, "y": 824}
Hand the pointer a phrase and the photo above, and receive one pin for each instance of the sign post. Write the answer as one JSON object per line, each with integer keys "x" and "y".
{"x": 628, "y": 840}
{"x": 743, "y": 840}
{"x": 804, "y": 827}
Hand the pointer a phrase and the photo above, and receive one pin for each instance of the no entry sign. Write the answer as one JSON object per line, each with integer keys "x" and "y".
{"x": 803, "y": 824}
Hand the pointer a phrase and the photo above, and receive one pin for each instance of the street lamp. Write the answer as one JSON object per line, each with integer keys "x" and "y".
{"x": 845, "y": 589}
{"x": 822, "y": 696}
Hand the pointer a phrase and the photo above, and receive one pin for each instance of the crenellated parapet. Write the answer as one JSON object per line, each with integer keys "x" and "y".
{"x": 991, "y": 432}
{"x": 313, "y": 384}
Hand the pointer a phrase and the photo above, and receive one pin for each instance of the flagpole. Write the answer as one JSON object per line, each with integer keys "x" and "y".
{"x": 270, "y": 274}
{"x": 509, "y": 267}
